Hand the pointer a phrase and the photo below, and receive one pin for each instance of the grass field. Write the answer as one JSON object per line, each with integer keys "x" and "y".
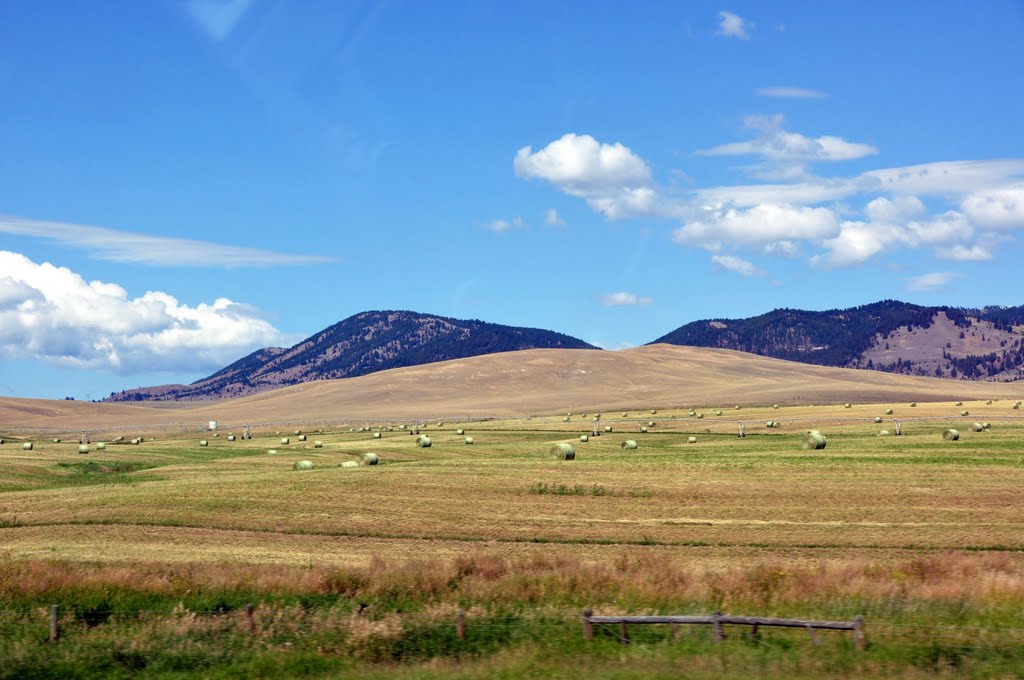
{"x": 358, "y": 571}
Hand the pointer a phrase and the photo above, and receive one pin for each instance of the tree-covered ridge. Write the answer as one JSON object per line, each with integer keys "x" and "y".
{"x": 847, "y": 337}
{"x": 361, "y": 344}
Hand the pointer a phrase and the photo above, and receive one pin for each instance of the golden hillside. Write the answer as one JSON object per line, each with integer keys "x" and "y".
{"x": 528, "y": 382}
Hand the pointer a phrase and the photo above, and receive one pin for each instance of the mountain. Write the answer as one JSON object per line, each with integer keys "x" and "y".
{"x": 361, "y": 344}
{"x": 892, "y": 336}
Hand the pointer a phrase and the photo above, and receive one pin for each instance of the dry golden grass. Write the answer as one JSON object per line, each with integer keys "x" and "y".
{"x": 530, "y": 382}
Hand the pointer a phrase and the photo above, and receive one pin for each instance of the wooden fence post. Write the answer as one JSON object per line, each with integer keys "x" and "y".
{"x": 460, "y": 624}
{"x": 859, "y": 637}
{"x": 588, "y": 627}
{"x": 249, "y": 619}
{"x": 717, "y": 624}
{"x": 54, "y": 622}
{"x": 623, "y": 633}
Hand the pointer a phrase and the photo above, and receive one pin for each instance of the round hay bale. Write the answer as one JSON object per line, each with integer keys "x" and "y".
{"x": 625, "y": 415}
{"x": 460, "y": 431}
{"x": 986, "y": 425}
{"x": 350, "y": 464}
{"x": 468, "y": 440}
{"x": 692, "y": 413}
{"x": 643, "y": 430}
{"x": 298, "y": 432}
{"x": 814, "y": 440}
{"x": 562, "y": 451}
{"x": 302, "y": 465}
{"x": 654, "y": 412}
{"x": 965, "y": 413}
{"x": 100, "y": 446}
{"x": 989, "y": 402}
{"x": 302, "y": 437}
{"x": 318, "y": 444}
{"x": 285, "y": 441}
{"x": 629, "y": 444}
{"x": 775, "y": 405}
{"x": 651, "y": 423}
{"x": 718, "y": 413}
{"x": 584, "y": 438}
{"x": 847, "y": 405}
{"x": 440, "y": 424}
{"x": 700, "y": 416}
{"x": 959, "y": 403}
{"x": 203, "y": 442}
{"x": 913, "y": 404}
{"x": 27, "y": 446}
{"x": 136, "y": 441}
{"x": 423, "y": 441}
{"x": 565, "y": 419}
{"x": 376, "y": 435}
{"x": 1, "y": 441}
{"x": 736, "y": 407}
{"x": 370, "y": 458}
{"x": 271, "y": 452}
{"x": 977, "y": 427}
{"x": 950, "y": 435}
{"x": 1016, "y": 407}
{"x": 691, "y": 440}
{"x": 83, "y": 448}
{"x": 888, "y": 411}
{"x": 884, "y": 433}
{"x": 607, "y": 428}
{"x": 769, "y": 423}
{"x": 56, "y": 441}
{"x": 878, "y": 419}
{"x": 231, "y": 437}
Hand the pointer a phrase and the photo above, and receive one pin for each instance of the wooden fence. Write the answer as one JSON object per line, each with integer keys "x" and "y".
{"x": 718, "y": 621}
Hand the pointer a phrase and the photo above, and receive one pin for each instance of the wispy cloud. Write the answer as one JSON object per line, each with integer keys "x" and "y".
{"x": 623, "y": 299}
{"x": 731, "y": 25}
{"x": 501, "y": 226}
{"x": 736, "y": 264}
{"x": 785, "y": 92}
{"x": 929, "y": 282}
{"x": 553, "y": 219}
{"x": 162, "y": 251}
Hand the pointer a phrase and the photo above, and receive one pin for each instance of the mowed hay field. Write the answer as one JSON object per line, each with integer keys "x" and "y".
{"x": 359, "y": 571}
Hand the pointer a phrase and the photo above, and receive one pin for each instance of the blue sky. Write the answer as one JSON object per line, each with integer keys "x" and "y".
{"x": 184, "y": 182}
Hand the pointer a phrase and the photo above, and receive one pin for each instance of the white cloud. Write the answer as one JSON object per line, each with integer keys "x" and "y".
{"x": 774, "y": 143}
{"x": 999, "y": 208}
{"x": 782, "y": 248}
{"x": 501, "y": 226}
{"x": 553, "y": 219}
{"x": 961, "y": 253}
{"x": 52, "y": 313}
{"x": 732, "y": 25}
{"x": 736, "y": 264}
{"x": 956, "y": 178}
{"x": 859, "y": 241}
{"x": 894, "y": 210}
{"x": 784, "y": 92}
{"x": 764, "y": 223}
{"x": 125, "y": 246}
{"x": 929, "y": 282}
{"x": 623, "y": 298}
{"x": 579, "y": 164}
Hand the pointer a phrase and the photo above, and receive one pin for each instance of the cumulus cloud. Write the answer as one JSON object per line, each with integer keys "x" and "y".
{"x": 623, "y": 298}
{"x": 610, "y": 177}
{"x": 784, "y": 92}
{"x": 999, "y": 208}
{"x": 125, "y": 246}
{"x": 929, "y": 282}
{"x": 781, "y": 217}
{"x": 553, "y": 219}
{"x": 732, "y": 25}
{"x": 774, "y": 142}
{"x": 52, "y": 313}
{"x": 501, "y": 226}
{"x": 764, "y": 223}
{"x": 735, "y": 264}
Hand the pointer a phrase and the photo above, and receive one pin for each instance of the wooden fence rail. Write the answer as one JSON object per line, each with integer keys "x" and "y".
{"x": 718, "y": 620}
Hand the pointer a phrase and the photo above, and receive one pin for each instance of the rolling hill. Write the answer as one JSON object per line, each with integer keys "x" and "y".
{"x": 359, "y": 345}
{"x": 541, "y": 381}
